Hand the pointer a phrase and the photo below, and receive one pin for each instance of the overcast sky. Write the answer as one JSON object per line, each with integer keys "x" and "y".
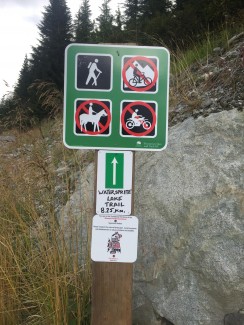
{"x": 18, "y": 32}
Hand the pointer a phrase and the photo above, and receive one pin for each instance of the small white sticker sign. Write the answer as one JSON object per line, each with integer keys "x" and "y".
{"x": 114, "y": 182}
{"x": 114, "y": 239}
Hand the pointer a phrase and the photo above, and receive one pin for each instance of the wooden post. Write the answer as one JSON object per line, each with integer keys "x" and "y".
{"x": 112, "y": 287}
{"x": 111, "y": 293}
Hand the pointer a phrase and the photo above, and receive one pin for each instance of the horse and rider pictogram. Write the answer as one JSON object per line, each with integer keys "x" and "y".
{"x": 93, "y": 117}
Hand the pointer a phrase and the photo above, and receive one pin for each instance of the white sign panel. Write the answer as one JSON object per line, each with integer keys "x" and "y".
{"x": 114, "y": 239}
{"x": 114, "y": 182}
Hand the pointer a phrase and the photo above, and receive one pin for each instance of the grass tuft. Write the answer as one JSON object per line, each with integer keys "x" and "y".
{"x": 42, "y": 281}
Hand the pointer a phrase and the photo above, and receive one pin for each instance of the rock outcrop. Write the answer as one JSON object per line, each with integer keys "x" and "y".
{"x": 211, "y": 85}
{"x": 190, "y": 203}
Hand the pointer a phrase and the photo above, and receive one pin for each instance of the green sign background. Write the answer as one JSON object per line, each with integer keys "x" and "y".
{"x": 119, "y": 170}
{"x": 116, "y": 96}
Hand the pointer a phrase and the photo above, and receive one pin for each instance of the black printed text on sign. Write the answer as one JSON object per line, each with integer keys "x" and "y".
{"x": 138, "y": 119}
{"x": 94, "y": 72}
{"x": 93, "y": 117}
{"x": 140, "y": 74}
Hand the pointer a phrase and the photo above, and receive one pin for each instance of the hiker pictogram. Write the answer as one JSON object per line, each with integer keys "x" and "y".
{"x": 140, "y": 74}
{"x": 94, "y": 72}
{"x": 93, "y": 117}
{"x": 138, "y": 119}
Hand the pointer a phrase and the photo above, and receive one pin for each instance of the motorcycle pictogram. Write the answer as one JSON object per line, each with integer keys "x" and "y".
{"x": 130, "y": 124}
{"x": 138, "y": 120}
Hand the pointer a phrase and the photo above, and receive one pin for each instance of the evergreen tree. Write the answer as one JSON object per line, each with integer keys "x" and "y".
{"x": 105, "y": 22}
{"x": 179, "y": 4}
{"x": 155, "y": 15}
{"x": 153, "y": 8}
{"x": 55, "y": 35}
{"x": 133, "y": 13}
{"x": 21, "y": 89}
{"x": 192, "y": 19}
{"x": 186, "y": 23}
{"x": 118, "y": 35}
{"x": 118, "y": 19}
{"x": 83, "y": 25}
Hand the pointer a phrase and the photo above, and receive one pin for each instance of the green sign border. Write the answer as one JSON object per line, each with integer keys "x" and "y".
{"x": 115, "y": 140}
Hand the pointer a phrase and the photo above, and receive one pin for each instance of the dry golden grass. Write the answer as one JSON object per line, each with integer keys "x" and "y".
{"x": 41, "y": 280}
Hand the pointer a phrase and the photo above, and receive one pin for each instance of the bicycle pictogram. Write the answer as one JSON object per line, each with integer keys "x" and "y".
{"x": 140, "y": 74}
{"x": 139, "y": 79}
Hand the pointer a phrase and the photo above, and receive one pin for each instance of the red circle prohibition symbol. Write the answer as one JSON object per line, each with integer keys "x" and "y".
{"x": 129, "y": 108}
{"x": 83, "y": 107}
{"x": 129, "y": 63}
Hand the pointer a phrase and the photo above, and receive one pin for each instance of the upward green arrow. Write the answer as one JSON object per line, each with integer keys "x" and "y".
{"x": 114, "y": 173}
{"x": 114, "y": 162}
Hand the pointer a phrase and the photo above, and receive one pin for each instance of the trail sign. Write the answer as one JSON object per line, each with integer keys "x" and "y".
{"x": 114, "y": 183}
{"x": 104, "y": 86}
{"x": 114, "y": 239}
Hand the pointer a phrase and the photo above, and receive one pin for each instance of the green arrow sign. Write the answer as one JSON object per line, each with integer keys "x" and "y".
{"x": 114, "y": 177}
{"x": 114, "y": 186}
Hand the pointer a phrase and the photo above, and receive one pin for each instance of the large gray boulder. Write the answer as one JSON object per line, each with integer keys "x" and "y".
{"x": 189, "y": 201}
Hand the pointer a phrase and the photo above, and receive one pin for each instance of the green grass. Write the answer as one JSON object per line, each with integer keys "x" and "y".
{"x": 199, "y": 52}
